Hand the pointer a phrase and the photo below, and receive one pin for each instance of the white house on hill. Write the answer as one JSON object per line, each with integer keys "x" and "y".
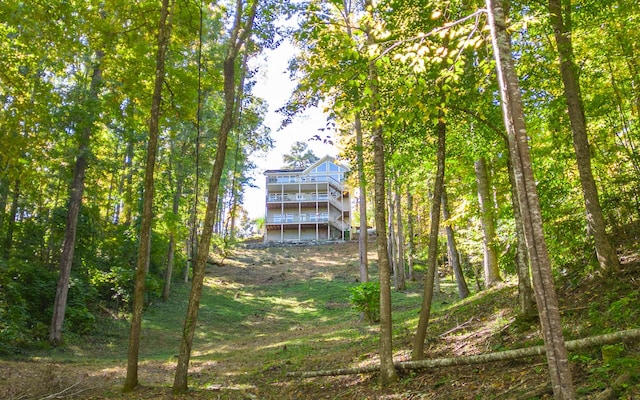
{"x": 308, "y": 204}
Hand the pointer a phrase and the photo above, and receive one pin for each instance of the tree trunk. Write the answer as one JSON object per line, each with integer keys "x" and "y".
{"x": 166, "y": 290}
{"x": 75, "y": 202}
{"x": 490, "y": 263}
{"x": 239, "y": 35}
{"x": 525, "y": 291}
{"x": 560, "y": 373}
{"x": 388, "y": 373}
{"x": 363, "y": 237}
{"x": 606, "y": 253}
{"x": 427, "y": 297}
{"x": 412, "y": 245}
{"x": 11, "y": 219}
{"x": 391, "y": 240}
{"x": 507, "y": 355}
{"x": 452, "y": 250}
{"x": 4, "y": 195}
{"x": 144, "y": 246}
{"x": 128, "y": 195}
{"x": 400, "y": 264}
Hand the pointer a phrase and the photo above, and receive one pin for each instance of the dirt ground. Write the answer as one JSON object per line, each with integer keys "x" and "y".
{"x": 41, "y": 378}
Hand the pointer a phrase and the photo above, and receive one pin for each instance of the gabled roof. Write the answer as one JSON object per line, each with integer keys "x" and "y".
{"x": 323, "y": 159}
{"x": 308, "y": 169}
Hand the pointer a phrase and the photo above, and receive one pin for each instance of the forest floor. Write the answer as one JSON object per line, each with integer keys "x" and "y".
{"x": 270, "y": 311}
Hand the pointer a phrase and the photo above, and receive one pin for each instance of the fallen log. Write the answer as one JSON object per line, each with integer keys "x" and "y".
{"x": 609, "y": 338}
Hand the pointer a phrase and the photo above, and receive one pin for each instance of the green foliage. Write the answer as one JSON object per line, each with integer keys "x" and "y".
{"x": 13, "y": 313}
{"x": 27, "y": 291}
{"x": 365, "y": 298}
{"x": 115, "y": 285}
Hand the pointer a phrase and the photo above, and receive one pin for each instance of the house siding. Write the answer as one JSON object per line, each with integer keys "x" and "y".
{"x": 308, "y": 205}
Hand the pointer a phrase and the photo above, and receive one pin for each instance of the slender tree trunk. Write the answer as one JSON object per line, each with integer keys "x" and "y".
{"x": 128, "y": 192}
{"x": 432, "y": 261}
{"x": 606, "y": 253}
{"x": 144, "y": 246}
{"x": 525, "y": 291}
{"x": 560, "y": 373}
{"x": 239, "y": 36}
{"x": 412, "y": 245}
{"x": 166, "y": 290}
{"x": 75, "y": 202}
{"x": 452, "y": 250}
{"x": 11, "y": 219}
{"x": 401, "y": 282}
{"x": 4, "y": 195}
{"x": 391, "y": 239}
{"x": 363, "y": 237}
{"x": 388, "y": 372}
{"x": 491, "y": 271}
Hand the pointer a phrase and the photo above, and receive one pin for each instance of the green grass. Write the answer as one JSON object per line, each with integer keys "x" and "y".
{"x": 250, "y": 335}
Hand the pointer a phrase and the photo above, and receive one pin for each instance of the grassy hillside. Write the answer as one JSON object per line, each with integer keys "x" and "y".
{"x": 270, "y": 311}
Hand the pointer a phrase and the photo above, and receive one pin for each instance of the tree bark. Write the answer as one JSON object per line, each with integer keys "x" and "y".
{"x": 605, "y": 252}
{"x": 400, "y": 256}
{"x": 388, "y": 373}
{"x": 412, "y": 245}
{"x": 166, "y": 289}
{"x": 427, "y": 297}
{"x": 507, "y": 355}
{"x": 239, "y": 35}
{"x": 391, "y": 239}
{"x": 452, "y": 250}
{"x": 11, "y": 219}
{"x": 144, "y": 247}
{"x": 526, "y": 300}
{"x": 560, "y": 373}
{"x": 363, "y": 237}
{"x": 490, "y": 263}
{"x": 75, "y": 202}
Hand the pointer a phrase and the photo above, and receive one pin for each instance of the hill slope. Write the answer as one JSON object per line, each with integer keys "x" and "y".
{"x": 269, "y": 311}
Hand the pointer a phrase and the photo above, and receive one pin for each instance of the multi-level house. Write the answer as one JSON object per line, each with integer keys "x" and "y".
{"x": 308, "y": 204}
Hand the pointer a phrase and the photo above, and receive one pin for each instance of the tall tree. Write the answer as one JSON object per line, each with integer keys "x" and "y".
{"x": 452, "y": 249}
{"x": 144, "y": 245}
{"x": 240, "y": 32}
{"x": 526, "y": 298}
{"x": 490, "y": 263}
{"x": 400, "y": 264}
{"x": 85, "y": 127}
{"x": 300, "y": 156}
{"x": 561, "y": 379}
{"x": 388, "y": 372}
{"x": 561, "y": 22}
{"x": 363, "y": 237}
{"x": 410, "y": 233}
{"x": 432, "y": 263}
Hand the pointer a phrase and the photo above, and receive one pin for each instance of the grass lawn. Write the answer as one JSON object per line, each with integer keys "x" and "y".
{"x": 272, "y": 311}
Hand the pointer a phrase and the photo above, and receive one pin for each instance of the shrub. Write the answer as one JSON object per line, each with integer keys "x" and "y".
{"x": 366, "y": 298}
